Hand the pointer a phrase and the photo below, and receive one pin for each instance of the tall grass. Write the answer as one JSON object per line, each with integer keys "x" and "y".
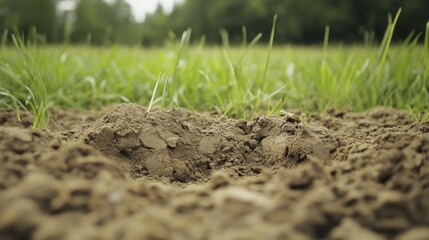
{"x": 25, "y": 84}
{"x": 237, "y": 81}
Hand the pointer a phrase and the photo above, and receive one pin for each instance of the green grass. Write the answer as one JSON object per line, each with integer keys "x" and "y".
{"x": 24, "y": 84}
{"x": 237, "y": 81}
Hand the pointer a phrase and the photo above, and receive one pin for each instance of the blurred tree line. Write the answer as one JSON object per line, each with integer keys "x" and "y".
{"x": 300, "y": 22}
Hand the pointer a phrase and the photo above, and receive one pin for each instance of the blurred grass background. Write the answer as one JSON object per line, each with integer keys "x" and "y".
{"x": 106, "y": 22}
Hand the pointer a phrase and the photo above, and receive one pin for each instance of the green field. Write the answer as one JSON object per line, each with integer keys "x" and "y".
{"x": 238, "y": 81}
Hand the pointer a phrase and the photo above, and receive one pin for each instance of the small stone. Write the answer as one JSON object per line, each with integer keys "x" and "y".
{"x": 115, "y": 197}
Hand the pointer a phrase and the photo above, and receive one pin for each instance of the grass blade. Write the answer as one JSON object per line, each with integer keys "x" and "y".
{"x": 154, "y": 93}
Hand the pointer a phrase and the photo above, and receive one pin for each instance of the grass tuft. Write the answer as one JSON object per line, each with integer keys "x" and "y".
{"x": 24, "y": 83}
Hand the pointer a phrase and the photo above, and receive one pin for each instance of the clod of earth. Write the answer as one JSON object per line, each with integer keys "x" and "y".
{"x": 180, "y": 146}
{"x": 179, "y": 175}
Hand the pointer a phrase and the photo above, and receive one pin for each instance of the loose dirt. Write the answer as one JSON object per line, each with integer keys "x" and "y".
{"x": 124, "y": 173}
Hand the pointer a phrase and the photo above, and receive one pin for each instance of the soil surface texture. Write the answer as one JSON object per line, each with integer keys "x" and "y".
{"x": 124, "y": 173}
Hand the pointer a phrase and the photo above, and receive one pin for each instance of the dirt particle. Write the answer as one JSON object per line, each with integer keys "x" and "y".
{"x": 181, "y": 171}
{"x": 150, "y": 139}
{"x": 157, "y": 164}
{"x": 170, "y": 138}
{"x": 209, "y": 145}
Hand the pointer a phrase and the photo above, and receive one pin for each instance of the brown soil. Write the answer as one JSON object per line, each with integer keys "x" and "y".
{"x": 128, "y": 174}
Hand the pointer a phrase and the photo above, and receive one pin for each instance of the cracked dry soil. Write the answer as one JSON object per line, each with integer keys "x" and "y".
{"x": 124, "y": 173}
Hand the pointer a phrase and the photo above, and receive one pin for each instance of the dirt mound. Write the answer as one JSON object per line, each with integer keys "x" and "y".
{"x": 183, "y": 147}
{"x": 130, "y": 174}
